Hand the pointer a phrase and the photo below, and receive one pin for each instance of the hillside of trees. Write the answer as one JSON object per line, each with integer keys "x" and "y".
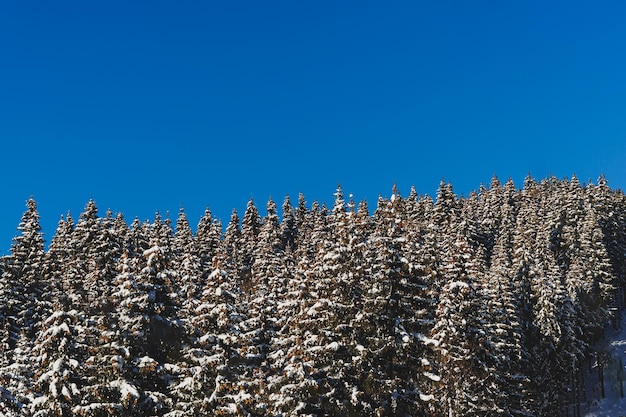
{"x": 485, "y": 305}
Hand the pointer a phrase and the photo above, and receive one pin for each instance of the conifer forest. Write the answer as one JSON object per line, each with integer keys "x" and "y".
{"x": 489, "y": 304}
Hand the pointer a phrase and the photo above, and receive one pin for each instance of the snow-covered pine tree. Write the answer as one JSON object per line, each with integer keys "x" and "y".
{"x": 329, "y": 334}
{"x": 112, "y": 386}
{"x": 464, "y": 350}
{"x": 268, "y": 279}
{"x": 185, "y": 259}
{"x": 302, "y": 217}
{"x": 21, "y": 287}
{"x": 610, "y": 210}
{"x": 440, "y": 236}
{"x": 59, "y": 255}
{"x": 208, "y": 240}
{"x": 230, "y": 246}
{"x": 145, "y": 348}
{"x": 503, "y": 318}
{"x": 97, "y": 245}
{"x": 288, "y": 226}
{"x": 555, "y": 346}
{"x": 290, "y": 370}
{"x": 22, "y": 278}
{"x": 58, "y": 377}
{"x": 597, "y": 288}
{"x": 489, "y": 214}
{"x": 250, "y": 225}
{"x": 392, "y": 331}
{"x": 210, "y": 365}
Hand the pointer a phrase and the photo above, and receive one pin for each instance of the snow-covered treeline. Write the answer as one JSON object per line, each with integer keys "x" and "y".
{"x": 486, "y": 305}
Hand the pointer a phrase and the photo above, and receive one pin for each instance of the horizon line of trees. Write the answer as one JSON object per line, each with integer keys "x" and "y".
{"x": 486, "y": 305}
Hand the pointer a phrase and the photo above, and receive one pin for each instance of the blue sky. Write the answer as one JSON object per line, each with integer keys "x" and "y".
{"x": 146, "y": 106}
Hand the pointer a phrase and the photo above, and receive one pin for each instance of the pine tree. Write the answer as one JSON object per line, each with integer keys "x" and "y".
{"x": 464, "y": 350}
{"x": 58, "y": 378}
{"x": 210, "y": 357}
{"x": 230, "y": 245}
{"x": 22, "y": 275}
{"x": 187, "y": 260}
{"x": 22, "y": 311}
{"x": 504, "y": 318}
{"x": 302, "y": 225}
{"x": 266, "y": 286}
{"x": 208, "y": 240}
{"x": 393, "y": 334}
{"x": 288, "y": 226}
{"x": 250, "y": 225}
{"x": 597, "y": 286}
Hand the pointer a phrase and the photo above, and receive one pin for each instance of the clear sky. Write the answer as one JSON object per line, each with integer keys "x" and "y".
{"x": 154, "y": 105}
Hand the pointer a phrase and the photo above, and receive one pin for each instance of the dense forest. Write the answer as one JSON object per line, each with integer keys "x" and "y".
{"x": 484, "y": 305}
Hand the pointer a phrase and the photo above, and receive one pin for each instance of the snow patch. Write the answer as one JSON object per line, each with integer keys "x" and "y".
{"x": 334, "y": 346}
{"x": 426, "y": 340}
{"x": 432, "y": 376}
{"x": 127, "y": 391}
{"x": 458, "y": 284}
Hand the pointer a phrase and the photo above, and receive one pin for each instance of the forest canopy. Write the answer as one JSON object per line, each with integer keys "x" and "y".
{"x": 486, "y": 305}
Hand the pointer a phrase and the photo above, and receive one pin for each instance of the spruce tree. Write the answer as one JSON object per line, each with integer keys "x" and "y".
{"x": 23, "y": 310}
{"x": 250, "y": 225}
